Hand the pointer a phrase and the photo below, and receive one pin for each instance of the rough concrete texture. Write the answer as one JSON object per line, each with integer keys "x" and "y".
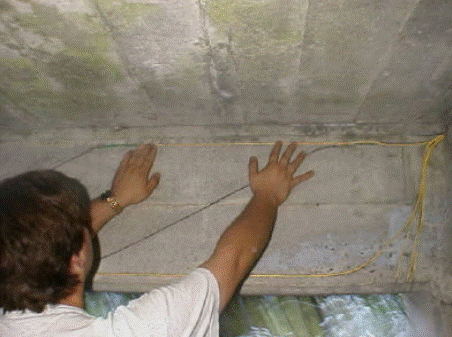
{"x": 428, "y": 316}
{"x": 149, "y": 63}
{"x": 440, "y": 205}
{"x": 360, "y": 196}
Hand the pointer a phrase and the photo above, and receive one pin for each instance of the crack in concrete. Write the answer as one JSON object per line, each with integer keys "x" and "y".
{"x": 303, "y": 19}
{"x": 386, "y": 60}
{"x": 210, "y": 63}
{"x": 176, "y": 222}
{"x": 222, "y": 97}
{"x": 124, "y": 59}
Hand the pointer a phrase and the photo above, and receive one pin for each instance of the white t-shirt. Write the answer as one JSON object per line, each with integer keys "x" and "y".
{"x": 190, "y": 307}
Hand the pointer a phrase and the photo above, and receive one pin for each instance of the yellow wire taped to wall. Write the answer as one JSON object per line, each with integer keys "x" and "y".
{"x": 418, "y": 212}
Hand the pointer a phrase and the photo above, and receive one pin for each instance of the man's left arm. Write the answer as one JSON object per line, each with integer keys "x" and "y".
{"x": 131, "y": 185}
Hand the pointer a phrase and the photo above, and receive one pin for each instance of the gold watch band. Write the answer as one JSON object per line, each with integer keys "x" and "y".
{"x": 115, "y": 204}
{"x": 107, "y": 197}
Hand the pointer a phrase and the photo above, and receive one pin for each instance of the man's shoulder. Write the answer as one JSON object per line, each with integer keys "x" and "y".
{"x": 55, "y": 320}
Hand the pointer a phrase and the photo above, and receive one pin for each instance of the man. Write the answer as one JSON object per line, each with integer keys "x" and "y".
{"x": 46, "y": 226}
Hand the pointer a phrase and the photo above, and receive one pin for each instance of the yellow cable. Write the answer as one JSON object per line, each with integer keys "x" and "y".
{"x": 419, "y": 208}
{"x": 408, "y": 228}
{"x": 357, "y": 142}
{"x": 428, "y": 152}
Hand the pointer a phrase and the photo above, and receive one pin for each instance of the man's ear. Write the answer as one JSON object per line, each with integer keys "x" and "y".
{"x": 77, "y": 263}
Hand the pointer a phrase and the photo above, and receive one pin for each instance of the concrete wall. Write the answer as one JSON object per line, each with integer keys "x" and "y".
{"x": 440, "y": 219}
{"x": 360, "y": 197}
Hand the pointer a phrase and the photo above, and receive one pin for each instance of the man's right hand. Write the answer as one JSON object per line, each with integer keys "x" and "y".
{"x": 275, "y": 181}
{"x": 244, "y": 241}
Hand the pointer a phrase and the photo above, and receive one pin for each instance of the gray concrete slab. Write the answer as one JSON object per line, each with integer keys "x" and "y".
{"x": 361, "y": 196}
{"x": 19, "y": 157}
{"x": 203, "y": 174}
{"x": 207, "y": 134}
{"x": 429, "y": 316}
{"x": 395, "y": 89}
{"x": 118, "y": 64}
{"x": 307, "y": 239}
{"x": 321, "y": 228}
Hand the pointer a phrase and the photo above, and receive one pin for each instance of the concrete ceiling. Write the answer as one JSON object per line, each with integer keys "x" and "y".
{"x": 154, "y": 63}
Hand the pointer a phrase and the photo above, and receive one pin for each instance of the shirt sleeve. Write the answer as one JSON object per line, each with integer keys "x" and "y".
{"x": 189, "y": 307}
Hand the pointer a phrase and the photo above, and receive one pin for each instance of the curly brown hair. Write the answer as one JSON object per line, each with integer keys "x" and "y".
{"x": 43, "y": 216}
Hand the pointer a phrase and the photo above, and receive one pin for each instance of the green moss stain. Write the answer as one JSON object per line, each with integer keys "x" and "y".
{"x": 119, "y": 10}
{"x": 44, "y": 19}
{"x": 180, "y": 89}
{"x": 5, "y": 7}
{"x": 20, "y": 75}
{"x": 73, "y": 56}
{"x": 223, "y": 12}
{"x": 74, "y": 29}
{"x": 74, "y": 68}
{"x": 254, "y": 17}
{"x": 82, "y": 69}
{"x": 265, "y": 38}
{"x": 25, "y": 84}
{"x": 77, "y": 105}
{"x": 131, "y": 11}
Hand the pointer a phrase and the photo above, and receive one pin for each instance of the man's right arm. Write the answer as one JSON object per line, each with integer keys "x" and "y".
{"x": 131, "y": 184}
{"x": 244, "y": 241}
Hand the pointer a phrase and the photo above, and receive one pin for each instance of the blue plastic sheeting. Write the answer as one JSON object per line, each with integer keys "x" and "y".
{"x": 366, "y": 316}
{"x": 284, "y": 316}
{"x": 100, "y": 303}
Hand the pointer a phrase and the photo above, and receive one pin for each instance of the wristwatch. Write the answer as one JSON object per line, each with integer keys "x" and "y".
{"x": 106, "y": 196}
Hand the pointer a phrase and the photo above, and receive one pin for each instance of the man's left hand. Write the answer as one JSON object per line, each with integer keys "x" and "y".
{"x": 131, "y": 183}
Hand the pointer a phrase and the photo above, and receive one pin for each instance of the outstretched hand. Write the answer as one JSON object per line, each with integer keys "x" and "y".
{"x": 131, "y": 183}
{"x": 276, "y": 180}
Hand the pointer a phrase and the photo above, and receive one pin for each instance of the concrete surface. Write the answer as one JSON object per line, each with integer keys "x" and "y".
{"x": 148, "y": 63}
{"x": 360, "y": 196}
{"x": 428, "y": 316}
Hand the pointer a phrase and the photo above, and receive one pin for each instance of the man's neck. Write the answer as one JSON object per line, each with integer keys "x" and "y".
{"x": 76, "y": 298}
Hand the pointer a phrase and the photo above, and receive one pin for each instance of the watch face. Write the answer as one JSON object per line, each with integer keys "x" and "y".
{"x": 105, "y": 195}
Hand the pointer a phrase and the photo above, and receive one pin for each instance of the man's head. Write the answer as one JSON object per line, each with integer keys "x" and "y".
{"x": 44, "y": 222}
